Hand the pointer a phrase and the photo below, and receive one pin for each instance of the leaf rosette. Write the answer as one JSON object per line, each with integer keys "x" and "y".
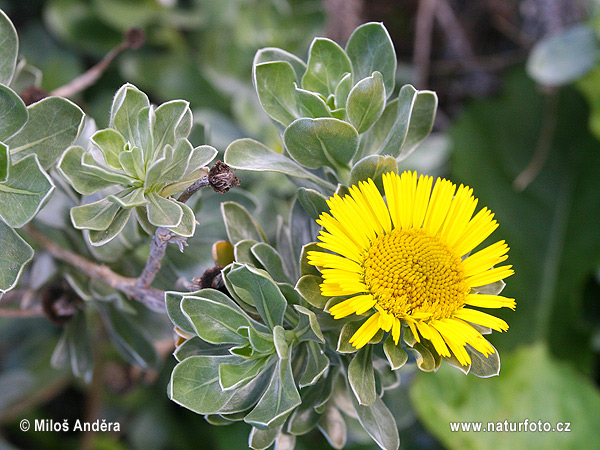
{"x": 136, "y": 164}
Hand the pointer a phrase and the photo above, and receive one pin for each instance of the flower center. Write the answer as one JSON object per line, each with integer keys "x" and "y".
{"x": 410, "y": 272}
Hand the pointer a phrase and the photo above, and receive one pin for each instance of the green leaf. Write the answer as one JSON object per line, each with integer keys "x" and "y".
{"x": 272, "y": 54}
{"x": 271, "y": 261}
{"x": 187, "y": 226}
{"x": 275, "y": 88}
{"x": 313, "y": 202}
{"x": 173, "y": 305}
{"x": 278, "y": 401}
{"x": 101, "y": 237}
{"x": 15, "y": 254}
{"x": 129, "y": 198}
{"x": 321, "y": 142}
{"x": 541, "y": 388}
{"x": 373, "y": 167}
{"x": 370, "y": 49}
{"x": 414, "y": 121}
{"x": 563, "y": 57}
{"x": 280, "y": 342}
{"x": 9, "y": 49}
{"x": 126, "y": 106}
{"x": 482, "y": 366}
{"x": 426, "y": 357}
{"x": 347, "y": 331}
{"x": 305, "y": 267}
{"x": 308, "y": 328}
{"x": 132, "y": 163}
{"x": 86, "y": 178}
{"x": 4, "y": 162}
{"x": 173, "y": 123}
{"x": 315, "y": 366}
{"x": 175, "y": 164}
{"x": 163, "y": 212}
{"x": 128, "y": 336}
{"x": 395, "y": 354}
{"x": 327, "y": 65}
{"x": 361, "y": 376}
{"x": 215, "y": 317}
{"x": 333, "y": 427}
{"x": 342, "y": 90}
{"x": 111, "y": 144}
{"x": 13, "y": 113}
{"x": 255, "y": 283}
{"x": 262, "y": 439}
{"x": 94, "y": 216}
{"x": 195, "y": 385}
{"x": 373, "y": 139}
{"x": 54, "y": 124}
{"x": 235, "y": 375}
{"x": 311, "y": 104}
{"x": 378, "y": 422}
{"x": 239, "y": 224}
{"x": 366, "y": 102}
{"x": 309, "y": 287}
{"x": 27, "y": 188}
{"x": 252, "y": 155}
{"x": 242, "y": 252}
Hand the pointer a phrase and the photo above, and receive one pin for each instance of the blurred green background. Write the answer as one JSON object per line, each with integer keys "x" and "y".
{"x": 519, "y": 115}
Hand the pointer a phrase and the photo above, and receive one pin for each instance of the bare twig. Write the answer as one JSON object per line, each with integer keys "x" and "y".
{"x": 423, "y": 37}
{"x": 134, "y": 39}
{"x": 543, "y": 146}
{"x": 191, "y": 190}
{"x": 15, "y": 313}
{"x": 151, "y": 297}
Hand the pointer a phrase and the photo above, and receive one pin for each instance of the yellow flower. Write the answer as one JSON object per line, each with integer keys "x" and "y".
{"x": 409, "y": 262}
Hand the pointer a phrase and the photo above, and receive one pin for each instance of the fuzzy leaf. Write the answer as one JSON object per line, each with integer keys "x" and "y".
{"x": 27, "y": 188}
{"x": 111, "y": 144}
{"x": 258, "y": 285}
{"x": 215, "y": 317}
{"x": 86, "y": 178}
{"x": 316, "y": 365}
{"x": 327, "y": 65}
{"x": 272, "y": 54}
{"x": 313, "y": 202}
{"x": 252, "y": 155}
{"x": 195, "y": 385}
{"x": 395, "y": 354}
{"x": 126, "y": 107}
{"x": 370, "y": 49}
{"x": 366, "y": 102}
{"x": 271, "y": 261}
{"x": 275, "y": 88}
{"x": 9, "y": 49}
{"x": 362, "y": 377}
{"x": 54, "y": 124}
{"x": 15, "y": 253}
{"x": 278, "y": 401}
{"x": 378, "y": 421}
{"x": 163, "y": 212}
{"x": 321, "y": 142}
{"x": 235, "y": 375}
{"x": 101, "y": 237}
{"x": 13, "y": 113}
{"x": 414, "y": 121}
{"x": 240, "y": 225}
{"x": 311, "y": 104}
{"x": 308, "y": 287}
{"x": 373, "y": 167}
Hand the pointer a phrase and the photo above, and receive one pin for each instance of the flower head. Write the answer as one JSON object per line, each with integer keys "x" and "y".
{"x": 409, "y": 262}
